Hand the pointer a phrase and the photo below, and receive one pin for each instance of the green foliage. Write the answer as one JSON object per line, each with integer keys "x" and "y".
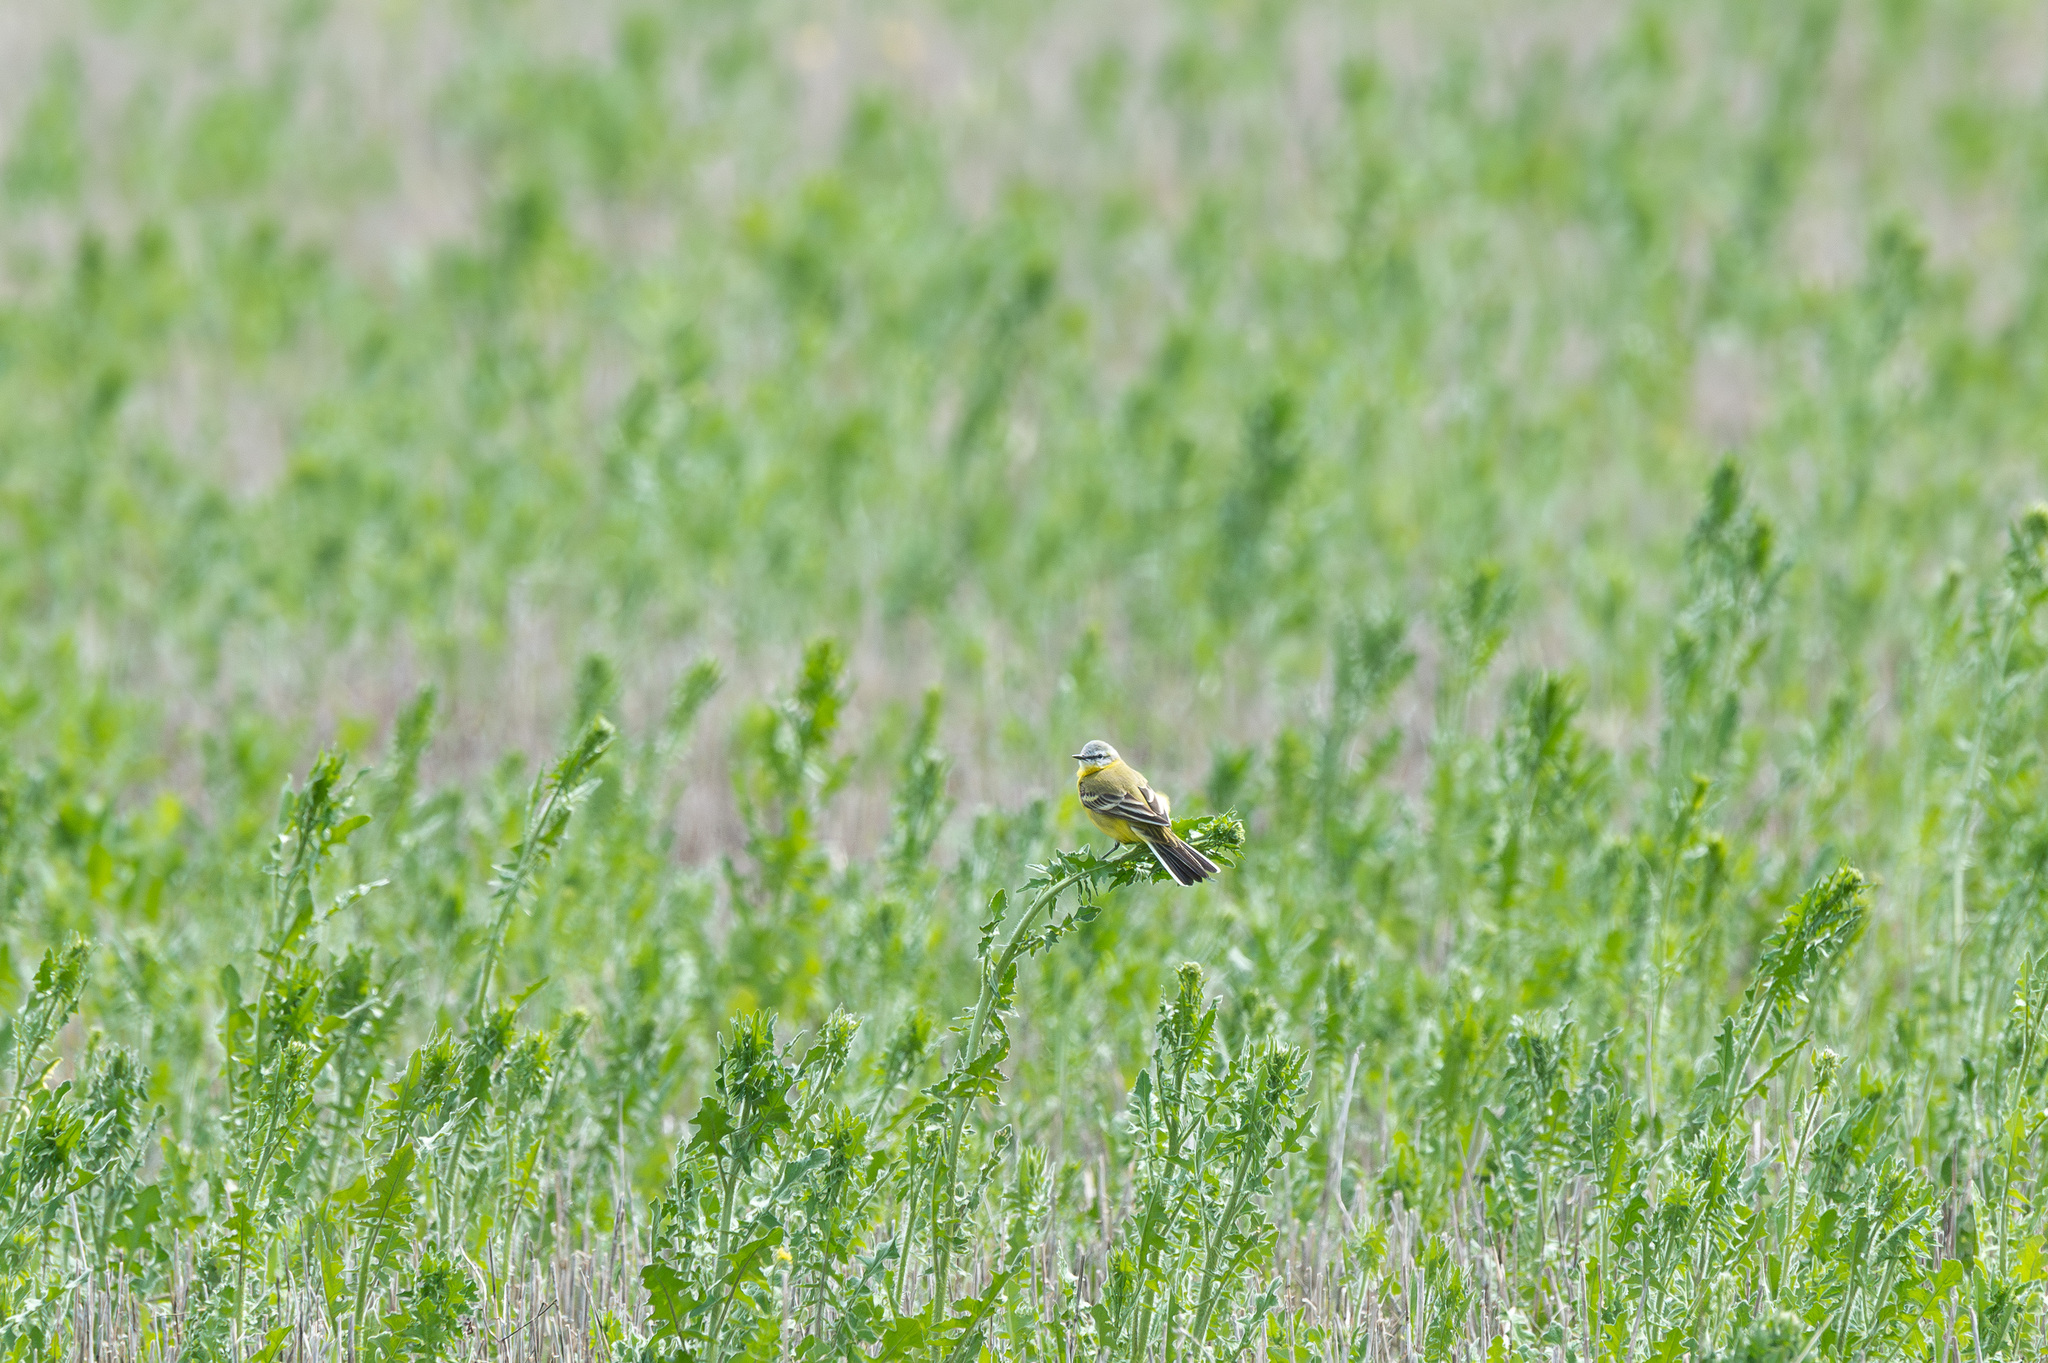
{"x": 1555, "y": 1125}
{"x": 659, "y": 490}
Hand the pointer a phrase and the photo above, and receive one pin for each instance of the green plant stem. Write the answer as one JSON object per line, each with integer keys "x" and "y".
{"x": 909, "y": 1241}
{"x": 376, "y": 1230}
{"x": 1172, "y": 1104}
{"x": 984, "y": 1007}
{"x": 263, "y": 1158}
{"x": 728, "y": 1189}
{"x": 1959, "y": 854}
{"x": 1233, "y": 1206}
{"x": 508, "y": 1210}
{"x": 1681, "y": 834}
{"x": 508, "y": 900}
{"x": 1141, "y": 1329}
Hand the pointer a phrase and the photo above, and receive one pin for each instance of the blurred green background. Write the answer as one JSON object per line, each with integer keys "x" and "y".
{"x": 1095, "y": 363}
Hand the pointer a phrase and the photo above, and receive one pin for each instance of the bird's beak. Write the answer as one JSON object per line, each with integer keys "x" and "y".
{"x": 1079, "y": 758}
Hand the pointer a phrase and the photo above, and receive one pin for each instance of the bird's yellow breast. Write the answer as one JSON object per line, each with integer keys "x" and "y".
{"x": 1120, "y": 829}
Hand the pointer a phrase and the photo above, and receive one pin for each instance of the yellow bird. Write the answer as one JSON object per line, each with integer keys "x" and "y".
{"x": 1117, "y": 800}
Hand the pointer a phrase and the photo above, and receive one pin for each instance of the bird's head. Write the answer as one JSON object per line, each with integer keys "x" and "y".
{"x": 1095, "y": 753}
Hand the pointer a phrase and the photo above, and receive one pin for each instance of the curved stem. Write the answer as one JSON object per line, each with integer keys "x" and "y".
{"x": 376, "y": 1230}
{"x": 1233, "y": 1206}
{"x": 727, "y": 1193}
{"x": 522, "y": 872}
{"x": 984, "y": 1008}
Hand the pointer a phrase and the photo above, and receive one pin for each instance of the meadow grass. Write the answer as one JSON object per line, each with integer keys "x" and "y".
{"x": 660, "y": 489}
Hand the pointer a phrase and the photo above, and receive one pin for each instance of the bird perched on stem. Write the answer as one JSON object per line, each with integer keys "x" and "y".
{"x": 1120, "y": 803}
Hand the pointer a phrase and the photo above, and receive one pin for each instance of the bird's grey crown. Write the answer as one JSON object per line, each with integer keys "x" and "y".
{"x": 1095, "y": 753}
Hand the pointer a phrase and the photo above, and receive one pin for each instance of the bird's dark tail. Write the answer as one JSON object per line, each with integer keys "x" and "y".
{"x": 1186, "y": 865}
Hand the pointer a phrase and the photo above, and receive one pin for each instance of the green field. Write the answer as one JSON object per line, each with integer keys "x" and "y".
{"x": 1551, "y": 489}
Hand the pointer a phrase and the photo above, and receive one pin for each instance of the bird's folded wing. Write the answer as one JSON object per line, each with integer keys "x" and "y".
{"x": 1123, "y": 805}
